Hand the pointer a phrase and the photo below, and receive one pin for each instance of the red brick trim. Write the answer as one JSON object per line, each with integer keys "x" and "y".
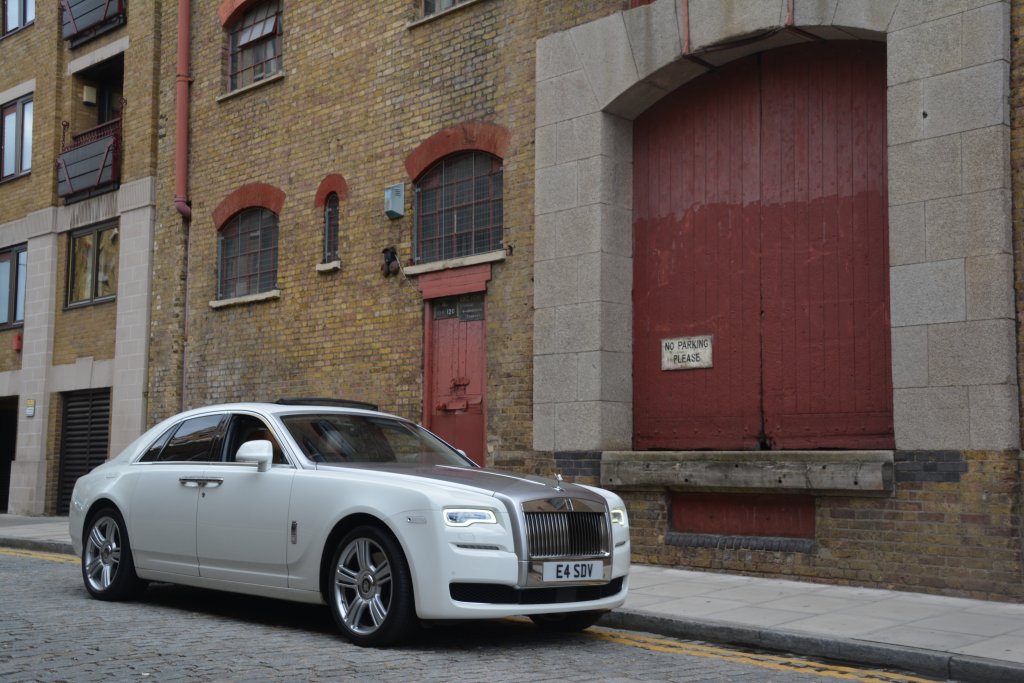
{"x": 231, "y": 11}
{"x": 334, "y": 182}
{"x": 253, "y": 194}
{"x": 454, "y": 281}
{"x": 474, "y": 135}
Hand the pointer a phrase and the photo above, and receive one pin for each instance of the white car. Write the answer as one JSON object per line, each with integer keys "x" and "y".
{"x": 362, "y": 510}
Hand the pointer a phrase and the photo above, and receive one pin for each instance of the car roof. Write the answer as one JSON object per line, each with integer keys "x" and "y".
{"x": 267, "y": 408}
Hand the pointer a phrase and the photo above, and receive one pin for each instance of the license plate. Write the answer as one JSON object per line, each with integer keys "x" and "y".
{"x": 592, "y": 570}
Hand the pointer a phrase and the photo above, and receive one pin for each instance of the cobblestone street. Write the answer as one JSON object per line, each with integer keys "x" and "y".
{"x": 50, "y": 630}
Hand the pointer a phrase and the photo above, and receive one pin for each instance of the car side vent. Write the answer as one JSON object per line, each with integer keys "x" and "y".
{"x": 338, "y": 402}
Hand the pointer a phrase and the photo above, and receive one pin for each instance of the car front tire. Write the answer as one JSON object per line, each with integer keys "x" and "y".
{"x": 567, "y": 622}
{"x": 107, "y": 565}
{"x": 370, "y": 593}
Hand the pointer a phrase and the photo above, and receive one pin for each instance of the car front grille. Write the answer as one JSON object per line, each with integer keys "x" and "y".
{"x": 566, "y": 534}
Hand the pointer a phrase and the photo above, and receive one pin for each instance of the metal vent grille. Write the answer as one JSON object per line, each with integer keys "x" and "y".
{"x": 566, "y": 534}
{"x": 85, "y": 436}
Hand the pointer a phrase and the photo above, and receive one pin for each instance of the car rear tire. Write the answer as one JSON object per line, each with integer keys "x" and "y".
{"x": 370, "y": 589}
{"x": 108, "y": 568}
{"x": 567, "y": 622}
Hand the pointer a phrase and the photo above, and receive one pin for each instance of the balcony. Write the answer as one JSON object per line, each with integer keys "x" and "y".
{"x": 83, "y": 20}
{"x": 90, "y": 164}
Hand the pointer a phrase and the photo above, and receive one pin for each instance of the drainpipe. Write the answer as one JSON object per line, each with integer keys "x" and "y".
{"x": 182, "y": 81}
{"x": 181, "y": 136}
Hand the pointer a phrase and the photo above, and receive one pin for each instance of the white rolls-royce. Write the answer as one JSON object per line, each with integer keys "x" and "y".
{"x": 364, "y": 511}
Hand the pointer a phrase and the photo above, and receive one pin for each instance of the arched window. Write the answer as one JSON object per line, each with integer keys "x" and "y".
{"x": 459, "y": 207}
{"x": 255, "y": 45}
{"x": 247, "y": 262}
{"x": 331, "y": 209}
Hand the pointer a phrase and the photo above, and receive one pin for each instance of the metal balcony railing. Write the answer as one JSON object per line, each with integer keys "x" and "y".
{"x": 84, "y": 19}
{"x": 90, "y": 163}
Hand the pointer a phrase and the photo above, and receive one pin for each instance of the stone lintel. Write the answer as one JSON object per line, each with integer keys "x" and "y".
{"x": 816, "y": 472}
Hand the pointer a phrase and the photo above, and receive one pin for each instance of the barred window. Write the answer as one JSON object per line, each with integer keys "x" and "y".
{"x": 248, "y": 254}
{"x": 255, "y": 46}
{"x": 459, "y": 207}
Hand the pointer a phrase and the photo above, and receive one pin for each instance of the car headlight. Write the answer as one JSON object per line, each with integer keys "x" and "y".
{"x": 468, "y": 516}
{"x": 619, "y": 517}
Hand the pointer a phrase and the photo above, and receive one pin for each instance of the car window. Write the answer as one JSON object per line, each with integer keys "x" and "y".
{"x": 348, "y": 438}
{"x": 193, "y": 440}
{"x": 244, "y": 428}
{"x": 154, "y": 451}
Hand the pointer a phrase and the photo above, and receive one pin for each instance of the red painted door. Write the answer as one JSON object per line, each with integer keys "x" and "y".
{"x": 458, "y": 373}
{"x": 760, "y": 222}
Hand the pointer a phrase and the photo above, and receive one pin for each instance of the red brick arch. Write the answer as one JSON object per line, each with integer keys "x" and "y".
{"x": 463, "y": 137}
{"x": 231, "y": 11}
{"x": 248, "y": 196}
{"x": 334, "y": 182}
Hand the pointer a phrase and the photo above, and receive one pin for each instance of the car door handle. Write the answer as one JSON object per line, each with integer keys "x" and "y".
{"x": 204, "y": 482}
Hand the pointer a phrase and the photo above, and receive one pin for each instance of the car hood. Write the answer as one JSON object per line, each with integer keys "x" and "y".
{"x": 488, "y": 481}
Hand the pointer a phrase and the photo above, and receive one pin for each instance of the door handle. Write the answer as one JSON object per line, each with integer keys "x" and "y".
{"x": 200, "y": 482}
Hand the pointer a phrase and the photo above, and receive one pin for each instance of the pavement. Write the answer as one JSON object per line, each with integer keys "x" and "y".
{"x": 929, "y": 635}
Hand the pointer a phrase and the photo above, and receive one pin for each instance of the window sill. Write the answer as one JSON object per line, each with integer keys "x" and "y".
{"x": 19, "y": 29}
{"x": 328, "y": 267}
{"x": 15, "y": 176}
{"x": 443, "y": 13}
{"x": 252, "y": 86}
{"x": 247, "y": 299}
{"x": 475, "y": 259}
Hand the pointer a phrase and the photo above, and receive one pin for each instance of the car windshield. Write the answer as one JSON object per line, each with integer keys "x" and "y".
{"x": 352, "y": 438}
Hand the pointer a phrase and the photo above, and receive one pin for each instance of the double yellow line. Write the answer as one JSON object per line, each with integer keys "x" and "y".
{"x": 776, "y": 663}
{"x": 38, "y": 555}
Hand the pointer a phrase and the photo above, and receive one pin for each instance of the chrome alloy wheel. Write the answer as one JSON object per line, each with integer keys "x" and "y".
{"x": 102, "y": 553}
{"x": 362, "y": 585}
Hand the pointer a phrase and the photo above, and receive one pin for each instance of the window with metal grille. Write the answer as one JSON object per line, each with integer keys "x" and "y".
{"x": 331, "y": 209}
{"x": 255, "y": 51}
{"x": 459, "y": 207}
{"x": 434, "y": 6}
{"x": 85, "y": 438}
{"x": 248, "y": 254}
{"x": 13, "y": 273}
{"x": 92, "y": 265}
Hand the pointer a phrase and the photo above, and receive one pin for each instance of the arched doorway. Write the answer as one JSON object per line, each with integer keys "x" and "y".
{"x": 760, "y": 239}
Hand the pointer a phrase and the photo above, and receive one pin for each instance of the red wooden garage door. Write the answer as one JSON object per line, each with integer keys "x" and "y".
{"x": 760, "y": 222}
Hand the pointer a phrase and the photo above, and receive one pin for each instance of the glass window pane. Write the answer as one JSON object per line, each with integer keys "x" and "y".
{"x": 194, "y": 440}
{"x": 13, "y": 18}
{"x": 5, "y": 288}
{"x": 30, "y": 10}
{"x": 81, "y": 267}
{"x": 26, "y": 137}
{"x": 19, "y": 292}
{"x": 106, "y": 269}
{"x": 10, "y": 140}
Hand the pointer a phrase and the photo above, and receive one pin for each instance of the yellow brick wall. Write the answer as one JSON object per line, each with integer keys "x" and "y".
{"x": 35, "y": 53}
{"x": 361, "y": 91}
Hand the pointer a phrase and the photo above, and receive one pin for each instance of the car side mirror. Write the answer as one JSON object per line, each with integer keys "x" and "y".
{"x": 259, "y": 452}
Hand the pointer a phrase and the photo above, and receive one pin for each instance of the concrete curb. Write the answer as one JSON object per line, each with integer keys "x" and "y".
{"x": 32, "y": 544}
{"x": 916, "y": 660}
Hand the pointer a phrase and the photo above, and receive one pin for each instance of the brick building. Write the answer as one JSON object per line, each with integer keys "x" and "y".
{"x": 79, "y": 106}
{"x": 748, "y": 263}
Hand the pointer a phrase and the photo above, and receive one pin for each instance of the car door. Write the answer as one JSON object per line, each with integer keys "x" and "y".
{"x": 242, "y": 520}
{"x": 164, "y": 498}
